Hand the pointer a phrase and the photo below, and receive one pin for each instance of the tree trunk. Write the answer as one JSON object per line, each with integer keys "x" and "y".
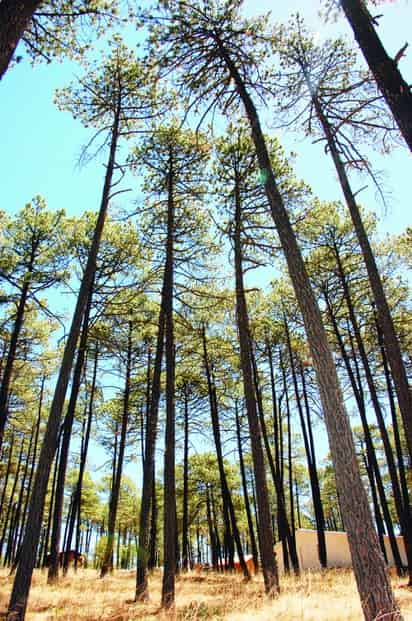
{"x": 77, "y": 496}
{"x": 265, "y": 532}
{"x": 368, "y": 563}
{"x": 15, "y": 17}
{"x": 21, "y": 585}
{"x": 231, "y": 528}
{"x": 107, "y": 564}
{"x": 394, "y": 88}
{"x": 142, "y": 590}
{"x": 185, "y": 516}
{"x": 245, "y": 492}
{"x": 384, "y": 316}
{"x": 169, "y": 518}
{"x": 53, "y": 572}
{"x": 370, "y": 449}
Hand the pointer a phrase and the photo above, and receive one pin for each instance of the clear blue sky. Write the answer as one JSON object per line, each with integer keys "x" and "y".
{"x": 40, "y": 145}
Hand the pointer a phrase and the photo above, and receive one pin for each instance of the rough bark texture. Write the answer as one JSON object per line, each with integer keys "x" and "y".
{"x": 368, "y": 563}
{"x": 394, "y": 88}
{"x": 15, "y": 16}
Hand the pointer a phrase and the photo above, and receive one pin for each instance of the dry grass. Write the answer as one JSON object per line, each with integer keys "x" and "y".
{"x": 330, "y": 596}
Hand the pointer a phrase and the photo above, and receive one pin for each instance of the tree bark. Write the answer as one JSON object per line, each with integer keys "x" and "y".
{"x": 368, "y": 563}
{"x": 394, "y": 88}
{"x": 53, "y": 572}
{"x": 15, "y": 17}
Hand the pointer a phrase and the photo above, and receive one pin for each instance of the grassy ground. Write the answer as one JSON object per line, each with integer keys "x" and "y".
{"x": 330, "y": 596}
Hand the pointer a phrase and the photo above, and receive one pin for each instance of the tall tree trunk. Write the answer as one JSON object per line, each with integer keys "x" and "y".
{"x": 107, "y": 563}
{"x": 280, "y": 493}
{"x": 142, "y": 588}
{"x": 15, "y": 16}
{"x": 169, "y": 518}
{"x": 406, "y": 525}
{"x": 265, "y": 532}
{"x": 369, "y": 566}
{"x": 310, "y": 457}
{"x": 7, "y": 521}
{"x": 185, "y": 516}
{"x": 394, "y": 88}
{"x": 370, "y": 449}
{"x": 77, "y": 496}
{"x": 245, "y": 492}
{"x": 231, "y": 527}
{"x": 53, "y": 572}
{"x": 21, "y": 585}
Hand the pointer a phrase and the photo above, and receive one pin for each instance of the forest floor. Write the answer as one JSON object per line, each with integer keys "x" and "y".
{"x": 328, "y": 596}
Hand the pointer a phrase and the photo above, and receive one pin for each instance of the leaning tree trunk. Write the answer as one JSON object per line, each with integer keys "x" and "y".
{"x": 280, "y": 493}
{"x": 53, "y": 572}
{"x": 15, "y": 17}
{"x": 370, "y": 449}
{"x": 22, "y": 581}
{"x": 394, "y": 88}
{"x": 406, "y": 526}
{"x": 368, "y": 563}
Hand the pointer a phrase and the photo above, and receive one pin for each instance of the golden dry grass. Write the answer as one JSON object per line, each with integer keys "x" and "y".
{"x": 329, "y": 596}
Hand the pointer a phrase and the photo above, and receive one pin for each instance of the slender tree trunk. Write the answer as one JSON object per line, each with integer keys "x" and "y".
{"x": 245, "y": 492}
{"x": 370, "y": 449}
{"x": 107, "y": 564}
{"x": 21, "y": 585}
{"x": 185, "y": 516}
{"x": 231, "y": 527}
{"x": 281, "y": 503}
{"x": 53, "y": 572}
{"x": 77, "y": 496}
{"x": 169, "y": 518}
{"x": 265, "y": 532}
{"x": 153, "y": 527}
{"x": 405, "y": 525}
{"x": 394, "y": 88}
{"x": 369, "y": 566}
{"x": 142, "y": 588}
{"x": 7, "y": 521}
{"x": 6, "y": 478}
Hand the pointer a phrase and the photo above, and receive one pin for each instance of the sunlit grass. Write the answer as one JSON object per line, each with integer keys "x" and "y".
{"x": 328, "y": 596}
